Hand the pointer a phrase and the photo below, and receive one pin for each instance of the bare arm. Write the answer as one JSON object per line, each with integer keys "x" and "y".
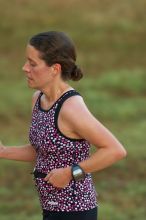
{"x": 80, "y": 121}
{"x": 109, "y": 149}
{"x": 21, "y": 153}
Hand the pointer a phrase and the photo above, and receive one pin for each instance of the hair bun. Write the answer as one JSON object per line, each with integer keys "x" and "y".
{"x": 76, "y": 73}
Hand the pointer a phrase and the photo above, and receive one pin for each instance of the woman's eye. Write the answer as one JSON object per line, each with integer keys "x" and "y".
{"x": 33, "y": 64}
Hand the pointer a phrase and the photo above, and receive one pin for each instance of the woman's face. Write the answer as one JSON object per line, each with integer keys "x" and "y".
{"x": 38, "y": 73}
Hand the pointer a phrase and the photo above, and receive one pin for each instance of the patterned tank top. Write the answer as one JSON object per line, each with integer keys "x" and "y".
{"x": 56, "y": 150}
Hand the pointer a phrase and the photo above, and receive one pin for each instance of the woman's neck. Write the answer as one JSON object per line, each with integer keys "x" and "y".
{"x": 54, "y": 92}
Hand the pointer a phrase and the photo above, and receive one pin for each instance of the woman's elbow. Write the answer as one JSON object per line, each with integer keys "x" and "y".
{"x": 120, "y": 153}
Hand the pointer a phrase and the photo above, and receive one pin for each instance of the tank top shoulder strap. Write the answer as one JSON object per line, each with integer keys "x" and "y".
{"x": 63, "y": 99}
{"x": 37, "y": 102}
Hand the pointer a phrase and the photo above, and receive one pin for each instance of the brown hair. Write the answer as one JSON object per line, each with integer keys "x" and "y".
{"x": 57, "y": 47}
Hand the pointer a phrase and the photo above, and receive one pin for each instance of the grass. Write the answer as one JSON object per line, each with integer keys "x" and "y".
{"x": 110, "y": 40}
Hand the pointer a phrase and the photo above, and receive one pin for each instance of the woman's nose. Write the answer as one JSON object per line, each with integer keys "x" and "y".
{"x": 26, "y": 68}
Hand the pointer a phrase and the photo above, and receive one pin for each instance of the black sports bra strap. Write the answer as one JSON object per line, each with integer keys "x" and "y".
{"x": 65, "y": 97}
{"x": 62, "y": 100}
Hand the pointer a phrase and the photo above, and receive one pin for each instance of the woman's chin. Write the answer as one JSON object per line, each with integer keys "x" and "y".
{"x": 30, "y": 84}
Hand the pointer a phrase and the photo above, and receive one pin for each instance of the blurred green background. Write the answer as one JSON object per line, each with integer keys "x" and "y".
{"x": 110, "y": 36}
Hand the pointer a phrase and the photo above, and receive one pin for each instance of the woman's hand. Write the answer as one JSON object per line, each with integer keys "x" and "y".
{"x": 60, "y": 177}
{"x": 2, "y": 148}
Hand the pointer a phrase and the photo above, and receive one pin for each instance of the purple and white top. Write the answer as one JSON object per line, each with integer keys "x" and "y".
{"x": 55, "y": 150}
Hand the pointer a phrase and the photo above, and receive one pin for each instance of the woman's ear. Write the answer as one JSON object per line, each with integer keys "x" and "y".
{"x": 56, "y": 69}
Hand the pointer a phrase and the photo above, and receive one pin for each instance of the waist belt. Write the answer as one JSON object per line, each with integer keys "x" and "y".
{"x": 38, "y": 174}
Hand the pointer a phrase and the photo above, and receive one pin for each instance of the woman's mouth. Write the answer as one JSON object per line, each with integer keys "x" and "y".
{"x": 28, "y": 78}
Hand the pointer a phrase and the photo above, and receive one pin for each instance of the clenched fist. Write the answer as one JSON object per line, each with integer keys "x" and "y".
{"x": 59, "y": 178}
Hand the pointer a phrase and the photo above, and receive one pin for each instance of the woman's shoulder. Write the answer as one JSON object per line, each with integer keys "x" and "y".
{"x": 77, "y": 116}
{"x": 74, "y": 105}
{"x": 35, "y": 97}
{"x": 74, "y": 101}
